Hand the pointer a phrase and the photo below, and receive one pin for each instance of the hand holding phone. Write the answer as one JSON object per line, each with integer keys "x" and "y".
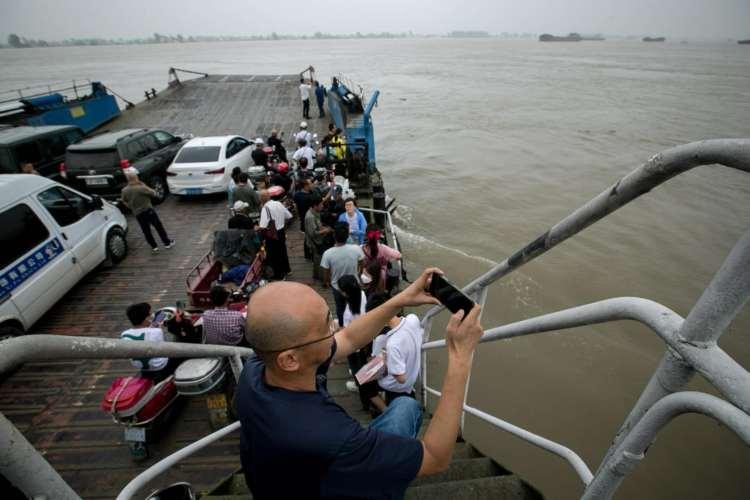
{"x": 450, "y": 296}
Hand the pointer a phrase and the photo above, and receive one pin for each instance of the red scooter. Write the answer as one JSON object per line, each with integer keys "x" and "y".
{"x": 141, "y": 405}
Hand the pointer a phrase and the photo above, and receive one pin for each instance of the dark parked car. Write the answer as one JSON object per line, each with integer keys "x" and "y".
{"x": 96, "y": 165}
{"x": 43, "y": 147}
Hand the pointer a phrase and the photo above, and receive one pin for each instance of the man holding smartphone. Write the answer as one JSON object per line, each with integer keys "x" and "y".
{"x": 296, "y": 442}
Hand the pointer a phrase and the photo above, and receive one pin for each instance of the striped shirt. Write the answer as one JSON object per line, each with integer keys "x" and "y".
{"x": 224, "y": 327}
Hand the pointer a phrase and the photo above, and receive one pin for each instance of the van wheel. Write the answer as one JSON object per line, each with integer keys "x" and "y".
{"x": 117, "y": 245}
{"x": 9, "y": 331}
{"x": 158, "y": 184}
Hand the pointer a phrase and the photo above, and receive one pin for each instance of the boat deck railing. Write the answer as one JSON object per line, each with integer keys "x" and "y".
{"x": 691, "y": 345}
{"x": 15, "y": 95}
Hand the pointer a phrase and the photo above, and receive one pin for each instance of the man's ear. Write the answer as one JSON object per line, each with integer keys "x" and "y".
{"x": 288, "y": 361}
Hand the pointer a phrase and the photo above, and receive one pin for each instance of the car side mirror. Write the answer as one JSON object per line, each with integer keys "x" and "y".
{"x": 176, "y": 139}
{"x": 96, "y": 202}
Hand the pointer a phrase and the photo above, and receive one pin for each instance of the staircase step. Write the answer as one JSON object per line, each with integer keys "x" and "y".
{"x": 462, "y": 469}
{"x": 465, "y": 450}
{"x": 508, "y": 487}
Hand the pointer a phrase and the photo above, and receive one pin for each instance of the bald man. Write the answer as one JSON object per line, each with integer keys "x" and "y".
{"x": 296, "y": 442}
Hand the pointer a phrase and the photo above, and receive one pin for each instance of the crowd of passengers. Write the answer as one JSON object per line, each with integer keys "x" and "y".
{"x": 290, "y": 425}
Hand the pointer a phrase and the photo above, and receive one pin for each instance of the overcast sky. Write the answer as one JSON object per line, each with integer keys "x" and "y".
{"x": 58, "y": 19}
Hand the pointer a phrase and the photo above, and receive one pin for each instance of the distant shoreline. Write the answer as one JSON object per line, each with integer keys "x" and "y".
{"x": 19, "y": 42}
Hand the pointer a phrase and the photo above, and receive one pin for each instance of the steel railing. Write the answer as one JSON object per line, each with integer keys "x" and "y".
{"x": 20, "y": 462}
{"x": 691, "y": 342}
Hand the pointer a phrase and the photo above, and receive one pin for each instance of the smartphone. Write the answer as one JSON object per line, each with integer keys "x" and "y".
{"x": 159, "y": 318}
{"x": 450, "y": 296}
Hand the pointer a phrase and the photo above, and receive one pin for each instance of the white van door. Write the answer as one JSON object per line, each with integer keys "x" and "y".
{"x": 80, "y": 224}
{"x": 36, "y": 267}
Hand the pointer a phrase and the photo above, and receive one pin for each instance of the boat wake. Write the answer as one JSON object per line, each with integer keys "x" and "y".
{"x": 524, "y": 293}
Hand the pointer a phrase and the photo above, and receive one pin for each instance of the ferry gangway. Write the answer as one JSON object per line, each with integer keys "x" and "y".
{"x": 691, "y": 346}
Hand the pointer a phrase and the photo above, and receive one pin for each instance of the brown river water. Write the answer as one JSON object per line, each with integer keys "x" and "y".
{"x": 485, "y": 144}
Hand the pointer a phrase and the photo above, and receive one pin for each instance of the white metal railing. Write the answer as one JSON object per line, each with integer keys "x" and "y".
{"x": 691, "y": 343}
{"x": 23, "y": 465}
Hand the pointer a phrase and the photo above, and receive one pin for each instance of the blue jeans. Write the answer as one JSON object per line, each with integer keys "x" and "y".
{"x": 402, "y": 417}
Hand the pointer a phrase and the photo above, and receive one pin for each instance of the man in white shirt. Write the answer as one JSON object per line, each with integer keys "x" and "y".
{"x": 304, "y": 151}
{"x": 156, "y": 369}
{"x": 402, "y": 344}
{"x": 304, "y": 92}
{"x": 303, "y": 133}
{"x": 276, "y": 252}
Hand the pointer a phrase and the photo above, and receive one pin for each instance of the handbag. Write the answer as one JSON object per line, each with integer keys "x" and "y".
{"x": 270, "y": 232}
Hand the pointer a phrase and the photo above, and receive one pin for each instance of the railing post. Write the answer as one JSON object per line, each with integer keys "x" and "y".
{"x": 26, "y": 469}
{"x": 427, "y": 326}
{"x": 633, "y": 447}
{"x": 480, "y": 297}
{"x": 717, "y": 306}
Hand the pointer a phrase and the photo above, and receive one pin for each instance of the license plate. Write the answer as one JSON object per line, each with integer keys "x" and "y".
{"x": 193, "y": 191}
{"x": 216, "y": 401}
{"x": 97, "y": 181}
{"x": 137, "y": 434}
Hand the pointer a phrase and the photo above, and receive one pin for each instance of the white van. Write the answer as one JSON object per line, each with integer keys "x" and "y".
{"x": 51, "y": 236}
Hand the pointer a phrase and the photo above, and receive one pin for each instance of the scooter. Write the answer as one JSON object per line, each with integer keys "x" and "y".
{"x": 141, "y": 405}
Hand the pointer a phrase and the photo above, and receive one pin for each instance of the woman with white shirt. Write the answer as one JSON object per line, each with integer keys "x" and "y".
{"x": 356, "y": 304}
{"x": 276, "y": 252}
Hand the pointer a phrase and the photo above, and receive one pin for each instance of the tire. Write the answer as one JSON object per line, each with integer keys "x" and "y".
{"x": 8, "y": 331}
{"x": 159, "y": 184}
{"x": 117, "y": 245}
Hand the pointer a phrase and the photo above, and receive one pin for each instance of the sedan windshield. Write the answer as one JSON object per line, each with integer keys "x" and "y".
{"x": 198, "y": 154}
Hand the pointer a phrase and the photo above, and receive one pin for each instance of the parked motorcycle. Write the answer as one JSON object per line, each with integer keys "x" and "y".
{"x": 142, "y": 405}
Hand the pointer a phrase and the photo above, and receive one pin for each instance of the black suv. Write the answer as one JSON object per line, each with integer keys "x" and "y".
{"x": 96, "y": 165}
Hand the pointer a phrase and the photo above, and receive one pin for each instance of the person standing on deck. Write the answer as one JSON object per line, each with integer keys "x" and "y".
{"x": 338, "y": 261}
{"x": 356, "y": 221}
{"x": 304, "y": 92}
{"x": 302, "y": 199}
{"x": 315, "y": 233}
{"x": 320, "y": 95}
{"x": 304, "y": 151}
{"x": 290, "y": 427}
{"x": 376, "y": 252}
{"x": 277, "y": 144}
{"x": 246, "y": 193}
{"x": 137, "y": 197}
{"x": 276, "y": 252}
{"x": 303, "y": 133}
{"x": 260, "y": 157}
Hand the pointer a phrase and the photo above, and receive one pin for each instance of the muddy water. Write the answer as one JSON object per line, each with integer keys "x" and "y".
{"x": 485, "y": 144}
